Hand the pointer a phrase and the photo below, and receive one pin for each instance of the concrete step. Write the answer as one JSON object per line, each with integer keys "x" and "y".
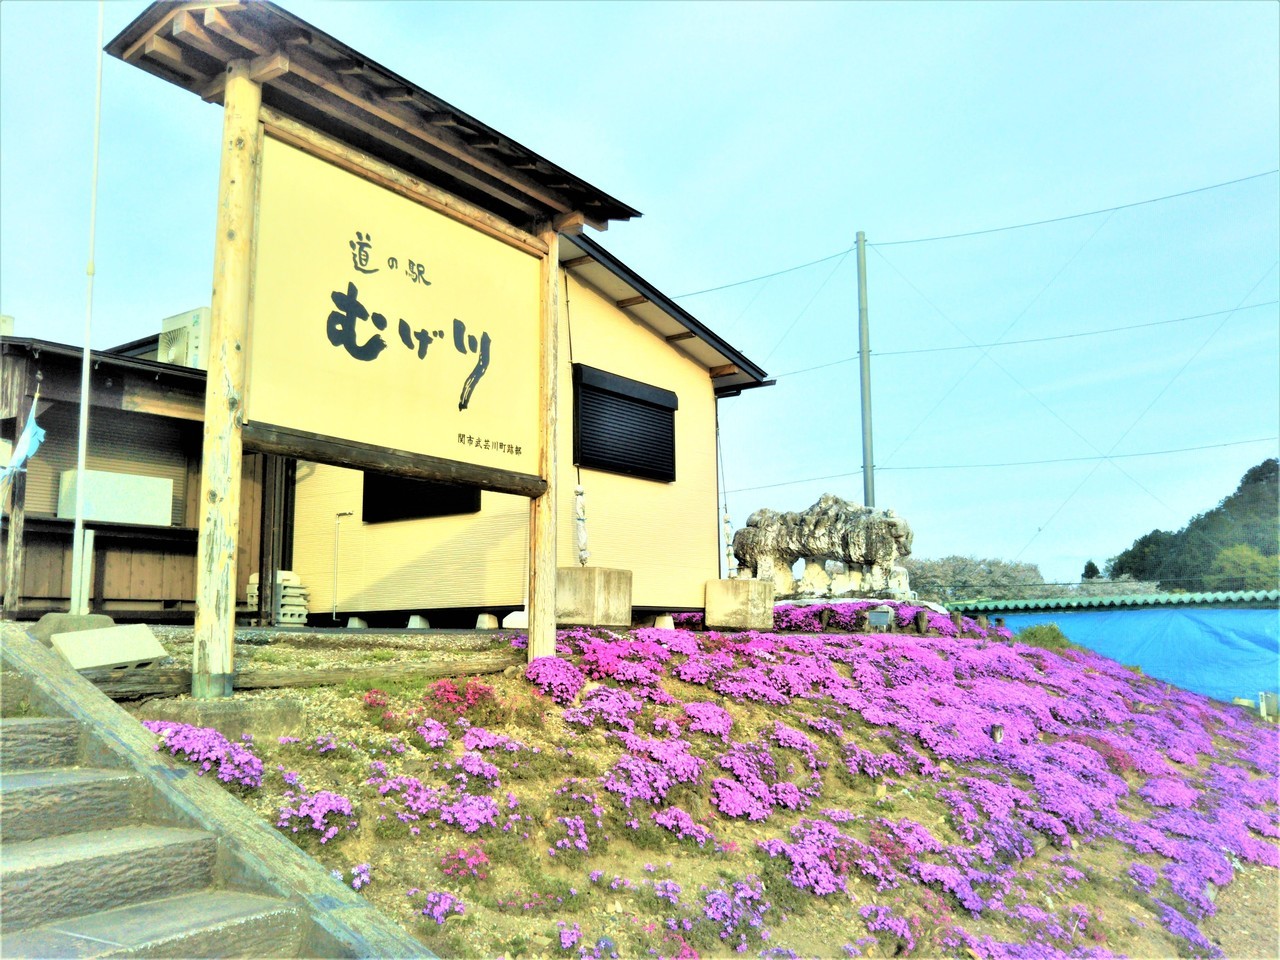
{"x": 47, "y": 802}
{"x": 210, "y": 923}
{"x": 38, "y": 742}
{"x": 82, "y": 873}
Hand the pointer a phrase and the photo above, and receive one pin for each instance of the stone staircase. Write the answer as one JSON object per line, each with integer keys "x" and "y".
{"x": 109, "y": 849}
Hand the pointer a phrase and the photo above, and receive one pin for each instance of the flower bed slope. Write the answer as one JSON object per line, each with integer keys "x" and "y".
{"x": 671, "y": 793}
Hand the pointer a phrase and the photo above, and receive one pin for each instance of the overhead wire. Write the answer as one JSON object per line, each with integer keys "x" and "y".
{"x": 1076, "y": 216}
{"x": 978, "y": 233}
{"x": 1014, "y": 463}
{"x": 986, "y": 352}
{"x": 1012, "y": 343}
{"x": 822, "y": 286}
{"x": 1147, "y": 409}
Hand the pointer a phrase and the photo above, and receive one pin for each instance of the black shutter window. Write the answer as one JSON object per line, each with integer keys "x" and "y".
{"x": 389, "y": 498}
{"x": 623, "y": 426}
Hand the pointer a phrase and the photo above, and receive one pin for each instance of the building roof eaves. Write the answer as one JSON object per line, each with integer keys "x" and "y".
{"x": 749, "y": 374}
{"x": 320, "y": 81}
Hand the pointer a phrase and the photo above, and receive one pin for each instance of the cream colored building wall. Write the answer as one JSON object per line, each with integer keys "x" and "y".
{"x": 665, "y": 533}
{"x": 473, "y": 560}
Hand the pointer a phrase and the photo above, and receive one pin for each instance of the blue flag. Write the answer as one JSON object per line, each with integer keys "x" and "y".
{"x": 26, "y": 447}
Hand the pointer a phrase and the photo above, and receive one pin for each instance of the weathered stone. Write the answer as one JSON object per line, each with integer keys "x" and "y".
{"x": 593, "y": 597}
{"x": 52, "y": 623}
{"x": 865, "y": 540}
{"x": 57, "y": 800}
{"x": 814, "y": 581}
{"x": 739, "y": 604}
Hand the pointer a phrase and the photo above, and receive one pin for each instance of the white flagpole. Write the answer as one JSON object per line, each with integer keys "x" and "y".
{"x": 79, "y": 588}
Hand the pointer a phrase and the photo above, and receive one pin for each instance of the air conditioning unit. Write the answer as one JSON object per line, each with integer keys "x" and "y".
{"x": 182, "y": 338}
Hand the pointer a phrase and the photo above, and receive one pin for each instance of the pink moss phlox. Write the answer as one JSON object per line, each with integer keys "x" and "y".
{"x": 434, "y": 733}
{"x": 737, "y": 909}
{"x": 612, "y": 706}
{"x": 479, "y": 738}
{"x": 682, "y": 825}
{"x": 327, "y": 813}
{"x": 206, "y": 747}
{"x": 559, "y": 679}
{"x": 705, "y": 717}
{"x": 440, "y": 905}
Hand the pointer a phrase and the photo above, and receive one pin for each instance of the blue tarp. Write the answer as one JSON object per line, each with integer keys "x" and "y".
{"x": 1221, "y": 653}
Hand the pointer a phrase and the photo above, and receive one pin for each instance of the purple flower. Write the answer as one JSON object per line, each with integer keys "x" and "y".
{"x": 558, "y": 679}
{"x": 205, "y": 747}
{"x": 434, "y": 733}
{"x": 439, "y": 906}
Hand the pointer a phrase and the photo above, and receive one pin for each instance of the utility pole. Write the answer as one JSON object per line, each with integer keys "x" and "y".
{"x": 864, "y": 374}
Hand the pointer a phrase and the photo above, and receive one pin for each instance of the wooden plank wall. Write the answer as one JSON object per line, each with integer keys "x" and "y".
{"x": 136, "y": 568}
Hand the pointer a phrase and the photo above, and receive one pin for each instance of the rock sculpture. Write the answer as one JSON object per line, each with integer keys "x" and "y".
{"x": 867, "y": 543}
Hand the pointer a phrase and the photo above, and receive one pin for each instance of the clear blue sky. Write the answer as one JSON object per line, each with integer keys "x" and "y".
{"x": 755, "y": 137}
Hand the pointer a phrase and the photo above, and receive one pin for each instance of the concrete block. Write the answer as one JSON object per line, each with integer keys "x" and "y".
{"x": 486, "y": 621}
{"x": 739, "y": 604}
{"x": 664, "y": 621}
{"x": 516, "y": 620}
{"x": 233, "y": 716}
{"x": 355, "y": 623}
{"x": 52, "y": 623}
{"x": 418, "y": 622}
{"x": 285, "y": 578}
{"x": 118, "y": 497}
{"x": 593, "y": 596}
{"x": 132, "y": 645}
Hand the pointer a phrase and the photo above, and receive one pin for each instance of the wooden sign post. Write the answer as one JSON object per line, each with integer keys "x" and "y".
{"x": 212, "y": 666}
{"x": 542, "y": 510}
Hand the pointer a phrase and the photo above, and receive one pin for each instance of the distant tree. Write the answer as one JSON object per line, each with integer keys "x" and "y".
{"x": 1243, "y": 567}
{"x": 1124, "y": 586}
{"x": 967, "y": 578}
{"x": 1183, "y": 560}
{"x": 1091, "y": 571}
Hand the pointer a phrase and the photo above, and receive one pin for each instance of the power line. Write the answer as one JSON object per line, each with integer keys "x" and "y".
{"x": 822, "y": 286}
{"x": 1076, "y": 216}
{"x": 767, "y": 276}
{"x": 1011, "y": 343}
{"x": 977, "y": 233}
{"x": 1013, "y": 463}
{"x": 1148, "y": 407}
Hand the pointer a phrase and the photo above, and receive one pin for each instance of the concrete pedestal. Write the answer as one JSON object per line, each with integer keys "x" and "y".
{"x": 739, "y": 605}
{"x": 593, "y": 597}
{"x": 233, "y": 716}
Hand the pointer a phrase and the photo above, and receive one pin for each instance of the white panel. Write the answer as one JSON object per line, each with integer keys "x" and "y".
{"x": 117, "y": 497}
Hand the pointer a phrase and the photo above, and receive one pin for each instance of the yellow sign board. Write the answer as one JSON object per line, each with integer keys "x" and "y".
{"x": 378, "y": 320}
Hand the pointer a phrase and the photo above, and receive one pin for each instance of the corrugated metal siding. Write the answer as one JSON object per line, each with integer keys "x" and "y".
{"x": 119, "y": 442}
{"x": 1260, "y": 597}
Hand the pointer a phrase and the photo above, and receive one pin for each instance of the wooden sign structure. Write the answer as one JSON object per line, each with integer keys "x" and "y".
{"x": 300, "y": 363}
